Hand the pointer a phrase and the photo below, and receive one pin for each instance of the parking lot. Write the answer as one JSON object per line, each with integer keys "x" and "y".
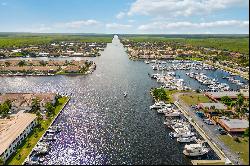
{"x": 210, "y": 130}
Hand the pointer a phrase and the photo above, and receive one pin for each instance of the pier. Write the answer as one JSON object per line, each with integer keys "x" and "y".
{"x": 219, "y": 153}
{"x": 47, "y": 129}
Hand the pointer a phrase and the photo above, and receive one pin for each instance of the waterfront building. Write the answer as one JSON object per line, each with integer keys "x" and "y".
{"x": 23, "y": 101}
{"x": 234, "y": 126}
{"x": 232, "y": 94}
{"x": 13, "y": 131}
{"x": 218, "y": 106}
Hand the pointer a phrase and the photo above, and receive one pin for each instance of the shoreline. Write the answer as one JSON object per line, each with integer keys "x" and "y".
{"x": 8, "y": 162}
{"x": 213, "y": 146}
{"x": 89, "y": 71}
{"x": 220, "y": 67}
{"x": 55, "y": 118}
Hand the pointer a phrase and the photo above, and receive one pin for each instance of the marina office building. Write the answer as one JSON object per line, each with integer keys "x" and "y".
{"x": 13, "y": 131}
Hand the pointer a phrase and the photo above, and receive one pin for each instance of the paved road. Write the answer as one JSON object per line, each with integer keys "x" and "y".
{"x": 210, "y": 131}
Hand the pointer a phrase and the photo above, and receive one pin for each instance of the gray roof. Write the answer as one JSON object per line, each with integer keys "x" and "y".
{"x": 227, "y": 93}
{"x": 236, "y": 123}
{"x": 219, "y": 106}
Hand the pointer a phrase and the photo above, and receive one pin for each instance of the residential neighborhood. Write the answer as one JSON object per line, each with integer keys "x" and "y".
{"x": 41, "y": 67}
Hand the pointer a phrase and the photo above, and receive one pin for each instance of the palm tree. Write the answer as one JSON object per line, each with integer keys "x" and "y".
{"x": 35, "y": 106}
{"x": 240, "y": 101}
{"x": 1, "y": 161}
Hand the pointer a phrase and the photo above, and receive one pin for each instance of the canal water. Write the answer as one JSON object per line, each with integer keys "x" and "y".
{"x": 99, "y": 125}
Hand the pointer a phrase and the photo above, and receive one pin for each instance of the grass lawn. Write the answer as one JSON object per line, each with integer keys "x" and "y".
{"x": 28, "y": 144}
{"x": 195, "y": 98}
{"x": 170, "y": 95}
{"x": 242, "y": 146}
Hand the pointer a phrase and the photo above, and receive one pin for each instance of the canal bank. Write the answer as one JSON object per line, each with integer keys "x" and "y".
{"x": 100, "y": 125}
{"x": 25, "y": 149}
{"x": 55, "y": 118}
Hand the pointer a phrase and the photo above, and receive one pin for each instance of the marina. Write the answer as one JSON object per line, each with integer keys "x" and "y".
{"x": 100, "y": 126}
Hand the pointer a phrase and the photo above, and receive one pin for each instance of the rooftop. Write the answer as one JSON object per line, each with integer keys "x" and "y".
{"x": 219, "y": 106}
{"x": 227, "y": 93}
{"x": 11, "y": 128}
{"x": 235, "y": 123}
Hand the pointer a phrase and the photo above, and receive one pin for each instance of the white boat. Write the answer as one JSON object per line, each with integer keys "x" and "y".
{"x": 41, "y": 149}
{"x": 165, "y": 109}
{"x": 182, "y": 134}
{"x": 174, "y": 113}
{"x": 195, "y": 150}
{"x": 158, "y": 105}
{"x": 125, "y": 94}
{"x": 146, "y": 61}
{"x": 186, "y": 139}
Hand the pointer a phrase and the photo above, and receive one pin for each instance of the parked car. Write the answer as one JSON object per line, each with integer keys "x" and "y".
{"x": 208, "y": 121}
{"x": 222, "y": 132}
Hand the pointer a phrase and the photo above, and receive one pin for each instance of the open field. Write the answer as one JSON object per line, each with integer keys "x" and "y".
{"x": 233, "y": 43}
{"x": 24, "y": 149}
{"x": 242, "y": 146}
{"x": 25, "y": 40}
{"x": 195, "y": 98}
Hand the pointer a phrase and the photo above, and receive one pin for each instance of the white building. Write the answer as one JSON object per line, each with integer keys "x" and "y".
{"x": 13, "y": 131}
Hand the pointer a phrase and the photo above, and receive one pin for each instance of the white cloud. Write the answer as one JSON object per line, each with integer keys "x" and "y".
{"x": 131, "y": 21}
{"x": 170, "y": 8}
{"x": 78, "y": 24}
{"x": 185, "y": 25}
{"x": 120, "y": 15}
{"x": 118, "y": 26}
{"x": 41, "y": 28}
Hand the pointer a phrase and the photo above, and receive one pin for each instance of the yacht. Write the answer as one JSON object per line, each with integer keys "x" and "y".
{"x": 57, "y": 128}
{"x": 146, "y": 61}
{"x": 49, "y": 138}
{"x": 174, "y": 113}
{"x": 182, "y": 134}
{"x": 195, "y": 150}
{"x": 158, "y": 105}
{"x": 40, "y": 149}
{"x": 186, "y": 139}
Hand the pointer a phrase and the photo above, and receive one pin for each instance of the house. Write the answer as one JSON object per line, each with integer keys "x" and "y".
{"x": 234, "y": 126}
{"x": 23, "y": 101}
{"x": 13, "y": 131}
{"x": 72, "y": 69}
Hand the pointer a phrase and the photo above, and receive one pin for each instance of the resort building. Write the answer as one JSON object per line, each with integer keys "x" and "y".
{"x": 23, "y": 101}
{"x": 13, "y": 131}
{"x": 234, "y": 126}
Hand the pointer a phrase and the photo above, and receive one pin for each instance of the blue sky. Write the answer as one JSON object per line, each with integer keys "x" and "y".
{"x": 125, "y": 16}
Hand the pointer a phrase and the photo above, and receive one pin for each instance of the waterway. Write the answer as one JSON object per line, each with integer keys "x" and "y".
{"x": 99, "y": 125}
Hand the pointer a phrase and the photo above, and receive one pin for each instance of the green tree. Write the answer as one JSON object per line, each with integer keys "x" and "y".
{"x": 35, "y": 105}
{"x": 1, "y": 161}
{"x": 240, "y": 101}
{"x": 246, "y": 133}
{"x": 226, "y": 100}
{"x": 43, "y": 63}
{"x": 7, "y": 64}
{"x": 50, "y": 109}
{"x": 160, "y": 94}
{"x": 21, "y": 63}
{"x": 5, "y": 108}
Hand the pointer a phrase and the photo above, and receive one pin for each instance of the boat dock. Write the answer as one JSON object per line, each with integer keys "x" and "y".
{"x": 215, "y": 148}
{"x": 27, "y": 158}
